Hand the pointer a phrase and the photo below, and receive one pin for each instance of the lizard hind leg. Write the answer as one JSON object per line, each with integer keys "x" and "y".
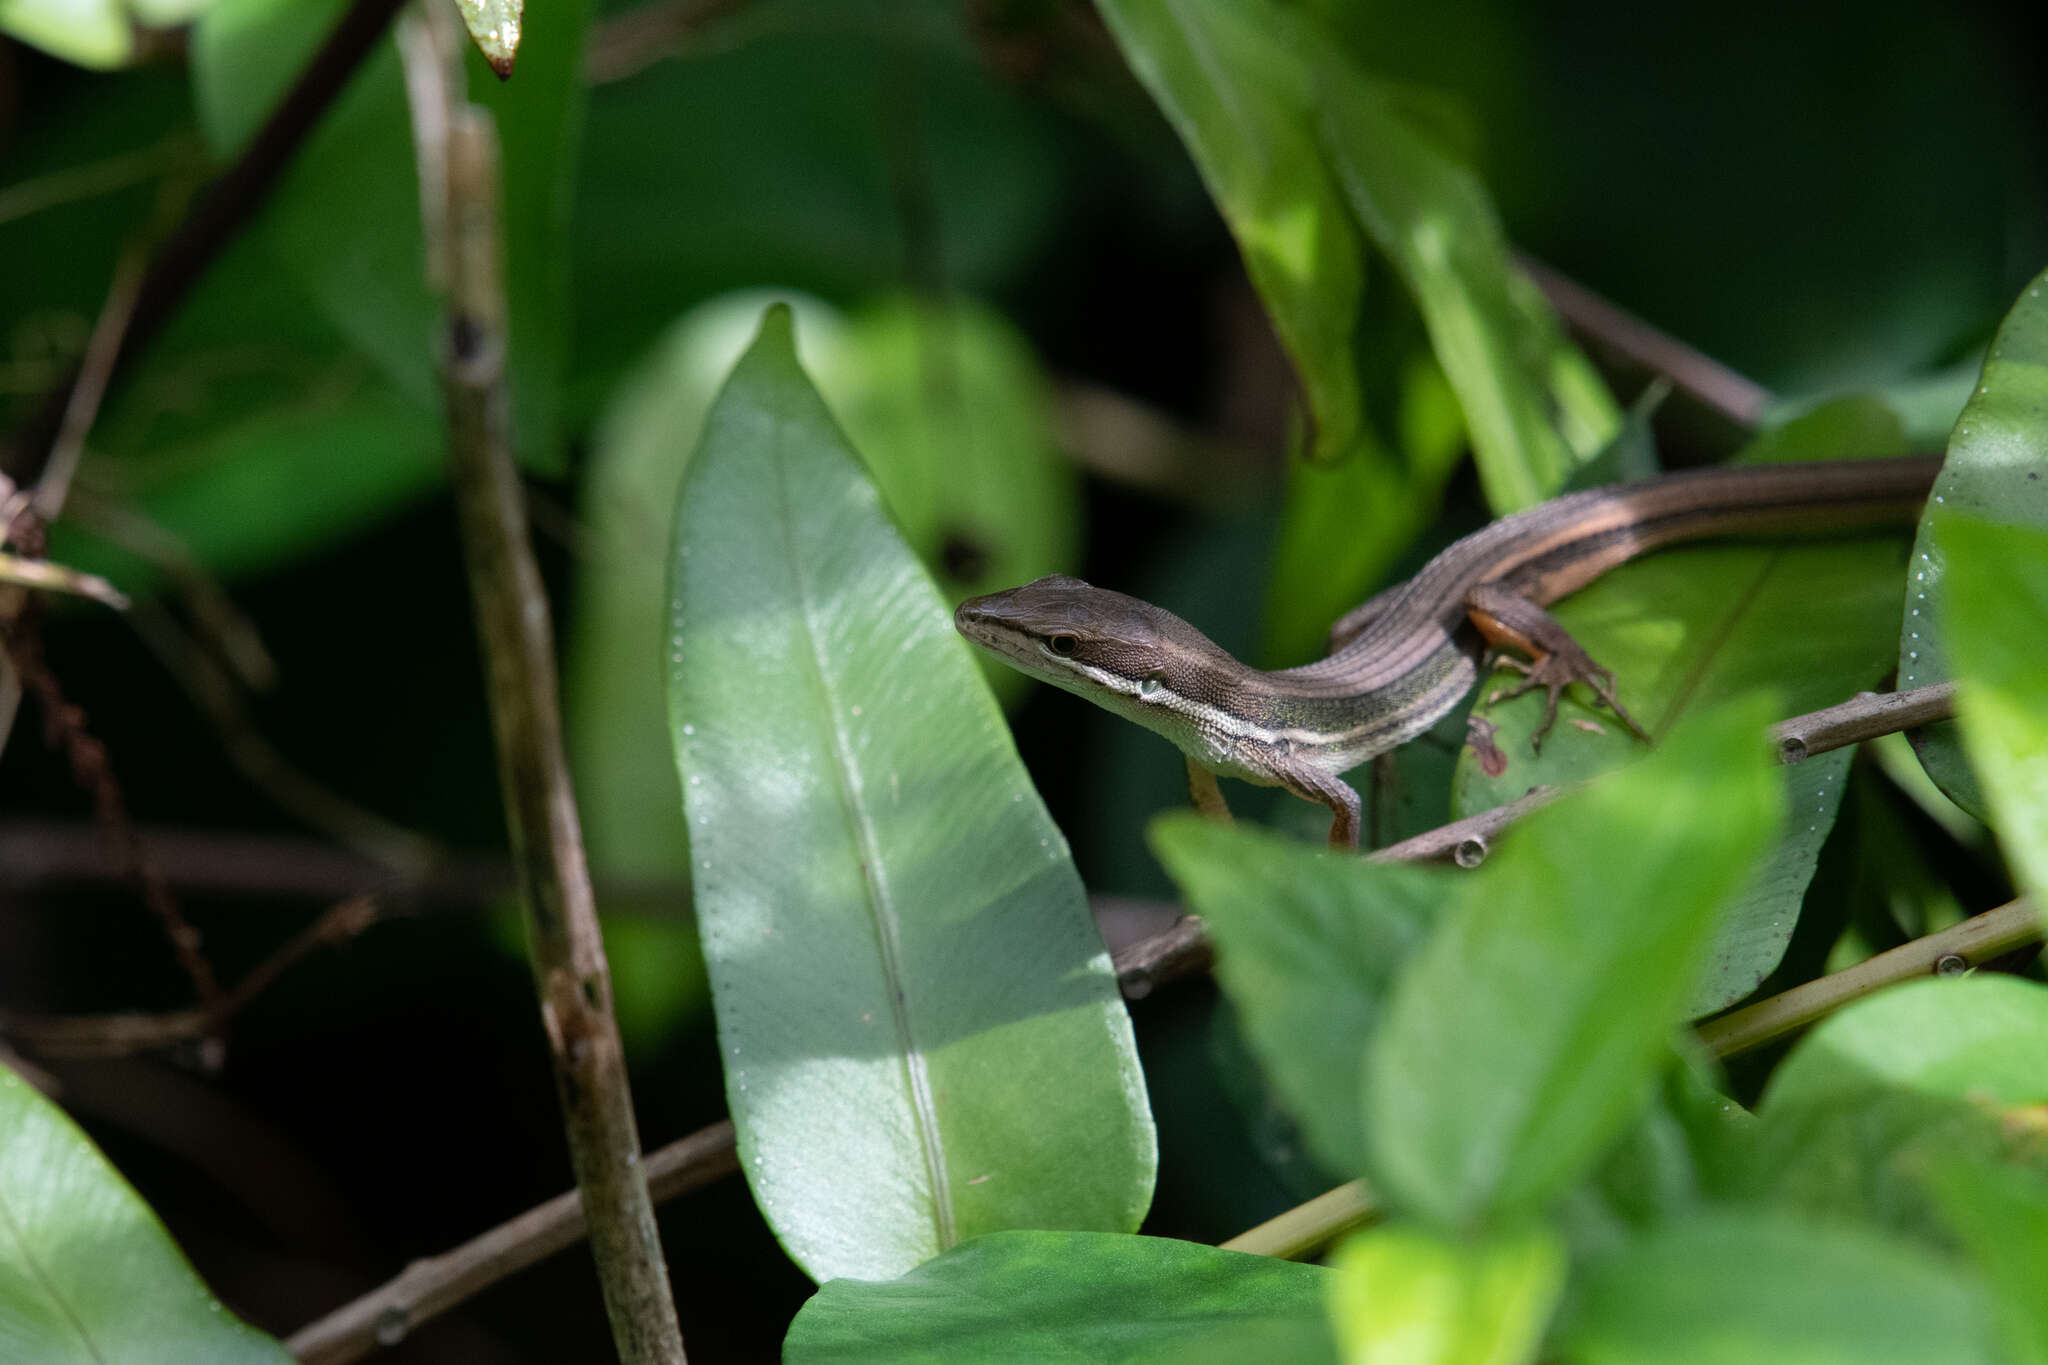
{"x": 1555, "y": 662}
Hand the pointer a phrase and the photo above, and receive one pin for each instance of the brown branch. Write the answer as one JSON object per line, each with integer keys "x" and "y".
{"x": 1465, "y": 842}
{"x": 1867, "y": 715}
{"x": 118, "y": 1035}
{"x": 1700, "y": 377}
{"x": 1183, "y": 950}
{"x": 217, "y": 214}
{"x": 570, "y": 972}
{"x": 430, "y": 1287}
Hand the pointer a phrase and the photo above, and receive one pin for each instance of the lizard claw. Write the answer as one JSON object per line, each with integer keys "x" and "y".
{"x": 1556, "y": 670}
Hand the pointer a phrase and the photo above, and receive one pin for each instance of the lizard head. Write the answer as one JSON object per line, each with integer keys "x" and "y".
{"x": 1088, "y": 640}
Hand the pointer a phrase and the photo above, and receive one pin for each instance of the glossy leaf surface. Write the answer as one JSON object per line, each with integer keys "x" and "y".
{"x": 87, "y": 1273}
{"x": 1994, "y": 604}
{"x": 922, "y": 1037}
{"x": 1525, "y": 1035}
{"x": 1534, "y": 407}
{"x": 1065, "y": 1297}
{"x": 1997, "y": 469}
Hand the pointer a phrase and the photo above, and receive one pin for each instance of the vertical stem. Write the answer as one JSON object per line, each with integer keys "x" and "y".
{"x": 570, "y": 974}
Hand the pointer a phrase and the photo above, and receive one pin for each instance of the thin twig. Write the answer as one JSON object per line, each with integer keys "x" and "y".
{"x": 430, "y": 1287}
{"x": 1959, "y": 947}
{"x": 1305, "y": 1229}
{"x": 1700, "y": 377}
{"x": 1183, "y": 950}
{"x": 1867, "y": 715}
{"x": 82, "y": 408}
{"x": 570, "y": 972}
{"x": 36, "y": 572}
{"x": 1465, "y": 842}
{"x": 119, "y": 1035}
{"x": 218, "y": 213}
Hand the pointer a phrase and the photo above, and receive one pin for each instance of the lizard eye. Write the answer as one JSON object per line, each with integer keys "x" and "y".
{"x": 1062, "y": 645}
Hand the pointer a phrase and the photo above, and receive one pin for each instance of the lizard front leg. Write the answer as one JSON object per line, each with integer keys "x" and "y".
{"x": 1555, "y": 662}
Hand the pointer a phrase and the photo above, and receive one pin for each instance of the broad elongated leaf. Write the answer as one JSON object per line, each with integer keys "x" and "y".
{"x": 1890, "y": 1087}
{"x": 87, "y": 1273}
{"x": 1524, "y": 1036}
{"x": 1061, "y": 1297}
{"x": 1997, "y": 469}
{"x": 1534, "y": 406}
{"x": 1310, "y": 945}
{"x": 1693, "y": 626}
{"x": 1994, "y": 604}
{"x": 1404, "y": 1294}
{"x": 345, "y": 217}
{"x": 921, "y": 1033}
{"x": 2002, "y": 1217}
{"x": 945, "y": 407}
{"x": 1730, "y": 1287}
{"x": 1242, "y": 99}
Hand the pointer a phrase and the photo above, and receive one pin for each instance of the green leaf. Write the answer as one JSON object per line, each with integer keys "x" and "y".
{"x": 1345, "y": 522}
{"x": 1693, "y": 626}
{"x": 2001, "y": 1215}
{"x": 345, "y": 215}
{"x": 1241, "y": 99}
{"x": 92, "y": 33}
{"x": 922, "y": 1034}
{"x": 1994, "y": 603}
{"x": 1525, "y": 1035}
{"x": 1996, "y": 456}
{"x": 1533, "y": 404}
{"x": 1730, "y": 1287}
{"x": 1066, "y": 1297}
{"x": 87, "y": 1273}
{"x": 494, "y": 27}
{"x": 1404, "y": 1294}
{"x": 1893, "y": 1085}
{"x": 946, "y": 407}
{"x": 1310, "y": 943}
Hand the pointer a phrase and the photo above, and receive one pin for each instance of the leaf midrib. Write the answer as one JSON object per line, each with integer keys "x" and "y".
{"x": 882, "y": 910}
{"x": 42, "y": 1278}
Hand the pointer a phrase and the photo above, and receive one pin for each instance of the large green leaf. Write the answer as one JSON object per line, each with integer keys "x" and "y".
{"x": 1065, "y": 1297}
{"x": 1997, "y": 469}
{"x": 1890, "y": 1087}
{"x": 922, "y": 1035}
{"x": 1534, "y": 406}
{"x": 345, "y": 216}
{"x": 1310, "y": 944}
{"x": 1401, "y": 1293}
{"x": 1243, "y": 101}
{"x": 1994, "y": 605}
{"x": 945, "y": 406}
{"x": 87, "y": 1273}
{"x": 1693, "y": 626}
{"x": 1525, "y": 1035}
{"x": 1731, "y": 1287}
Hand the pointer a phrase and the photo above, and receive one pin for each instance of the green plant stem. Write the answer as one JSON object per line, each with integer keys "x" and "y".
{"x": 1308, "y": 1228}
{"x": 570, "y": 972}
{"x": 1969, "y": 944}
